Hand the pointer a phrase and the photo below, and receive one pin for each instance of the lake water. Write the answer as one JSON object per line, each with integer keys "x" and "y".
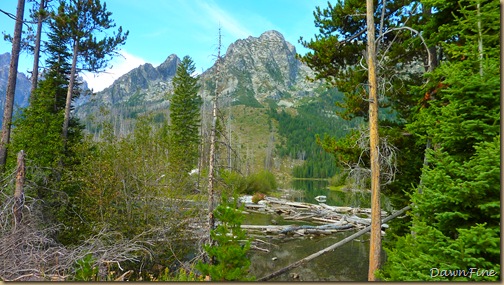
{"x": 346, "y": 263}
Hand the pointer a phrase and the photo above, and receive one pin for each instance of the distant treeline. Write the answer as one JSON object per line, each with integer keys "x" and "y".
{"x": 314, "y": 116}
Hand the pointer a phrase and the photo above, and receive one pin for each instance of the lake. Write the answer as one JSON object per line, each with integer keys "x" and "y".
{"x": 346, "y": 263}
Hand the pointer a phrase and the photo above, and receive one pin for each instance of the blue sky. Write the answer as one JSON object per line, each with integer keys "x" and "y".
{"x": 159, "y": 28}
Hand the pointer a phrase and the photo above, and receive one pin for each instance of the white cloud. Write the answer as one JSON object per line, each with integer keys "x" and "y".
{"x": 120, "y": 65}
{"x": 228, "y": 22}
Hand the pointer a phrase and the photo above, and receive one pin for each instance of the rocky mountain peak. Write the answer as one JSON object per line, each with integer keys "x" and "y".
{"x": 265, "y": 66}
{"x": 169, "y": 67}
{"x": 149, "y": 82}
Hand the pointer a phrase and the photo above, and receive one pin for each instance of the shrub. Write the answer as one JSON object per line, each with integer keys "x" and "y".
{"x": 263, "y": 181}
{"x": 234, "y": 183}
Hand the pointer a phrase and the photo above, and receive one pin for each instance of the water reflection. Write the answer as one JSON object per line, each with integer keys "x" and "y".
{"x": 346, "y": 263}
{"x": 309, "y": 189}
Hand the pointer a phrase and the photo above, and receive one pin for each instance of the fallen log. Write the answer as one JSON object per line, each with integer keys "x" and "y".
{"x": 329, "y": 221}
{"x": 254, "y": 247}
{"x": 330, "y": 248}
{"x": 322, "y": 228}
{"x": 336, "y": 208}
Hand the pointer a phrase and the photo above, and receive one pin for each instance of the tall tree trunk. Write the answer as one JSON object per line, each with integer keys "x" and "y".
{"x": 71, "y": 83}
{"x": 36, "y": 55}
{"x": 11, "y": 84}
{"x": 375, "y": 242}
{"x": 19, "y": 191}
{"x": 211, "y": 166}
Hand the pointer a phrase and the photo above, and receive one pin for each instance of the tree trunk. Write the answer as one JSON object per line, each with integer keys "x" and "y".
{"x": 71, "y": 83}
{"x": 432, "y": 60}
{"x": 36, "y": 54}
{"x": 480, "y": 39}
{"x": 11, "y": 84}
{"x": 211, "y": 166}
{"x": 375, "y": 242}
{"x": 19, "y": 192}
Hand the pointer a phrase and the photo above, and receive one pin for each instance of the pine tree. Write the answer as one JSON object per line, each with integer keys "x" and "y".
{"x": 456, "y": 217}
{"x": 185, "y": 117}
{"x": 339, "y": 56}
{"x": 37, "y": 130}
{"x": 79, "y": 21}
{"x": 230, "y": 247}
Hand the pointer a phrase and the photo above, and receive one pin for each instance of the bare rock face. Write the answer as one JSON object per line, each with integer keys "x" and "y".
{"x": 152, "y": 83}
{"x": 256, "y": 69}
{"x": 142, "y": 89}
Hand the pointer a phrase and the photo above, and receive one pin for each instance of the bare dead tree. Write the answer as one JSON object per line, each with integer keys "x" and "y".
{"x": 375, "y": 242}
{"x": 359, "y": 172}
{"x": 211, "y": 164}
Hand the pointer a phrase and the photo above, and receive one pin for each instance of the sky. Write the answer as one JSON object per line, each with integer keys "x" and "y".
{"x": 159, "y": 28}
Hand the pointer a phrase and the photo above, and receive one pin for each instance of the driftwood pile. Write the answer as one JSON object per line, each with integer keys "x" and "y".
{"x": 331, "y": 219}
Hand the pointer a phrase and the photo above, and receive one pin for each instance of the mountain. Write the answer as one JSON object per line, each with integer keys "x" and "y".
{"x": 254, "y": 72}
{"x": 23, "y": 84}
{"x": 257, "y": 69}
{"x": 140, "y": 90}
{"x": 152, "y": 82}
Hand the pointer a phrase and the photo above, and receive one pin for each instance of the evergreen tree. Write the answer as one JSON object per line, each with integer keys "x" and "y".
{"x": 37, "y": 130}
{"x": 230, "y": 248}
{"x": 184, "y": 118}
{"x": 79, "y": 21}
{"x": 456, "y": 217}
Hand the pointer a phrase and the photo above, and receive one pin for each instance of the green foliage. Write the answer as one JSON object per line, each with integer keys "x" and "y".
{"x": 230, "y": 251}
{"x": 337, "y": 53}
{"x": 81, "y": 21}
{"x": 235, "y": 182}
{"x": 86, "y": 269}
{"x": 263, "y": 181}
{"x": 181, "y": 276}
{"x": 120, "y": 185}
{"x": 314, "y": 116}
{"x": 456, "y": 218}
{"x": 37, "y": 131}
{"x": 184, "y": 118}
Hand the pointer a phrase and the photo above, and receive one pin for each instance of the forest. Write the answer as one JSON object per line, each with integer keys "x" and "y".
{"x": 162, "y": 202}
